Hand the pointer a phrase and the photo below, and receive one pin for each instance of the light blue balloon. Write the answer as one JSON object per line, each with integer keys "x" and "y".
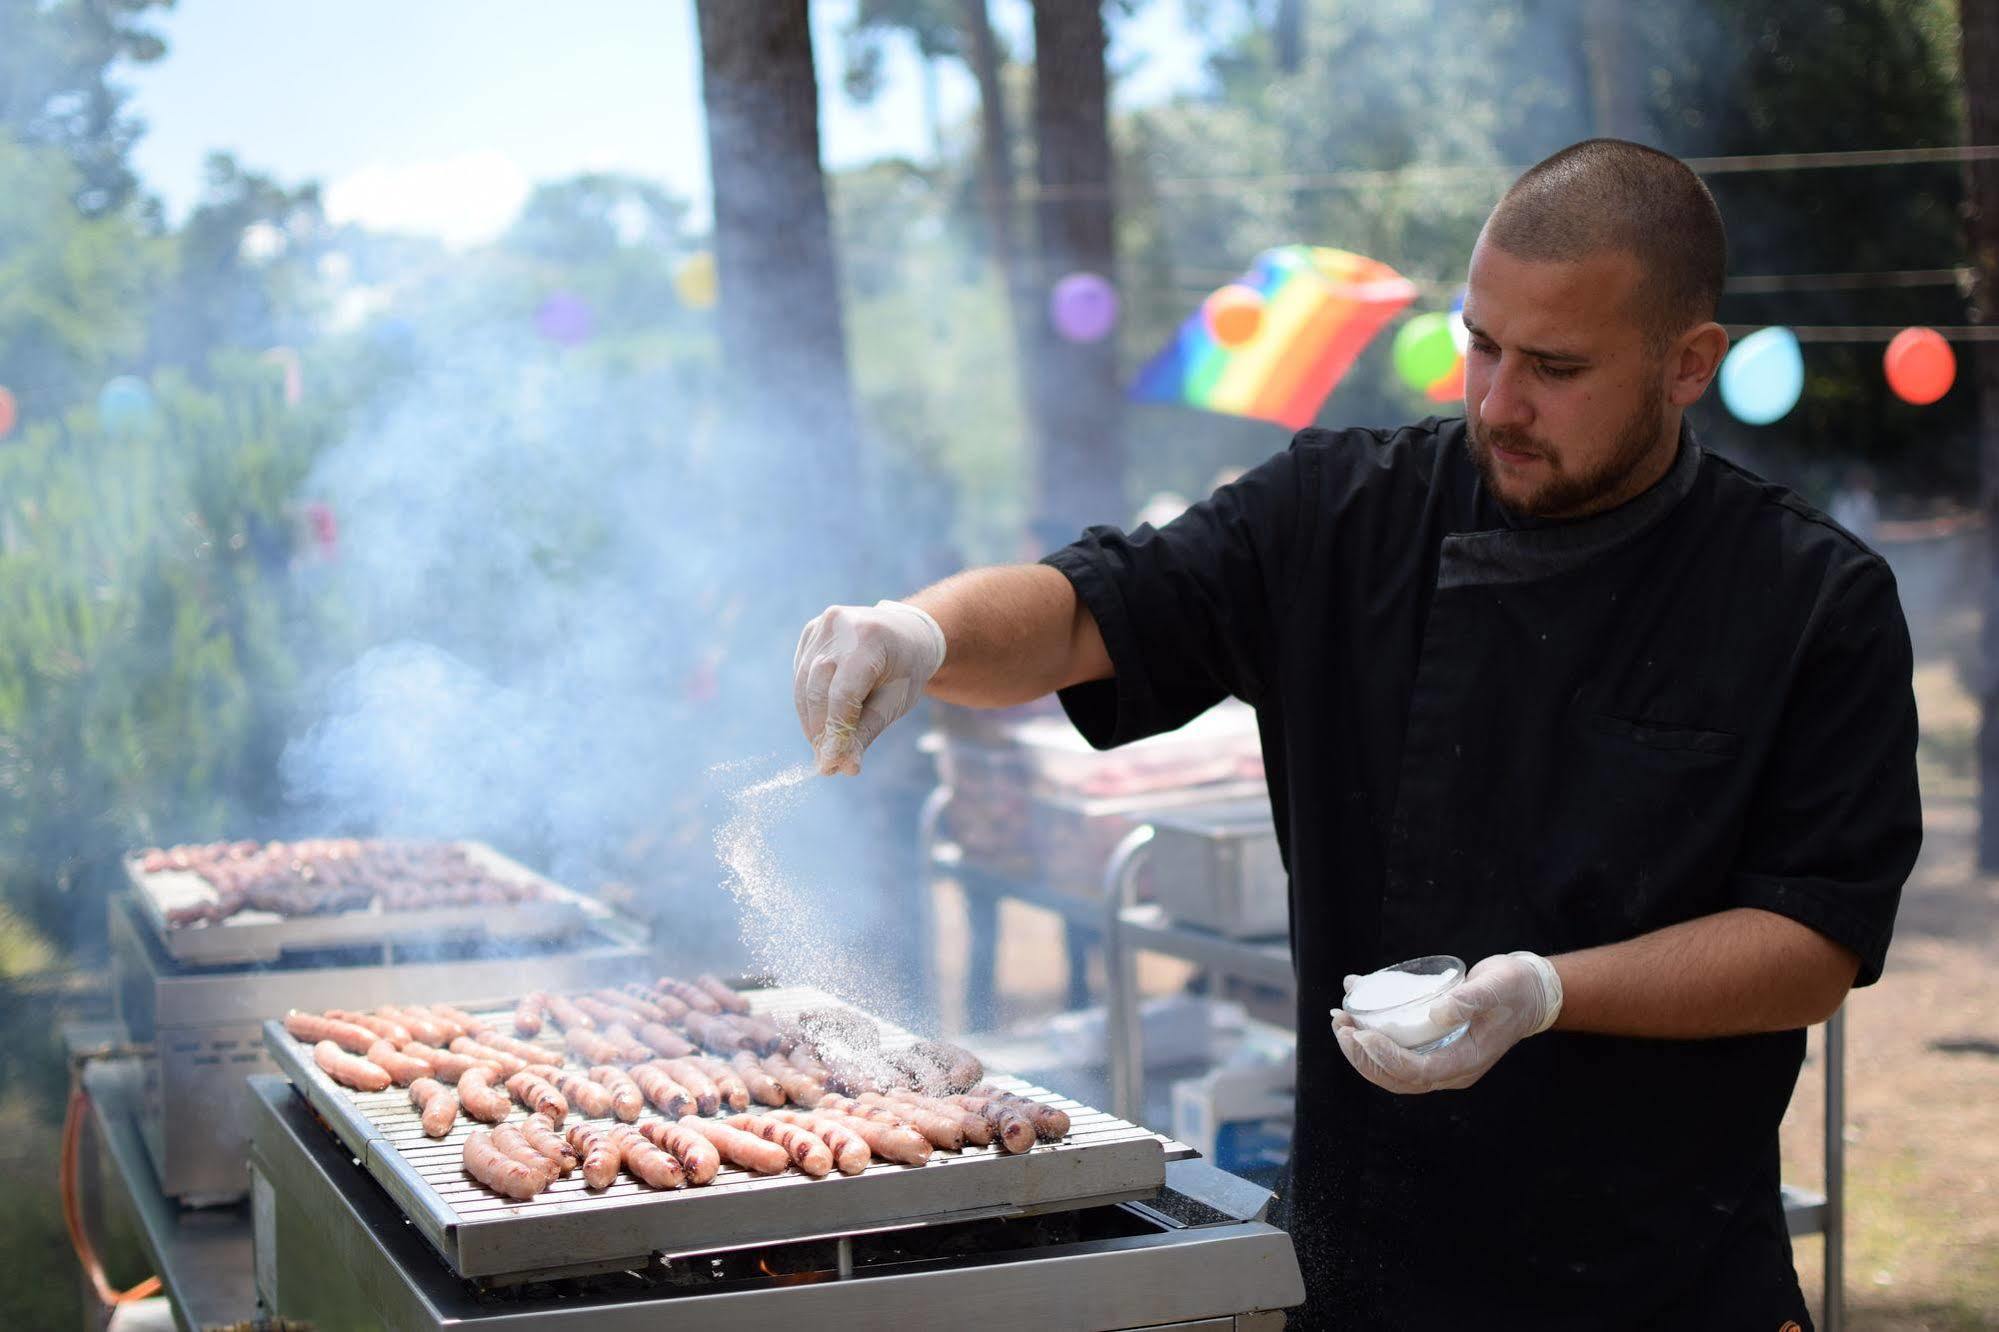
{"x": 126, "y": 403}
{"x": 1763, "y": 376}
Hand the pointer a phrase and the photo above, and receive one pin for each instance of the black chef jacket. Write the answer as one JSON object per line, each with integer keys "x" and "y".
{"x": 1484, "y": 734}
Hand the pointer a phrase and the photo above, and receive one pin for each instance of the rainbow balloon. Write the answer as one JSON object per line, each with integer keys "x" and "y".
{"x": 1320, "y": 308}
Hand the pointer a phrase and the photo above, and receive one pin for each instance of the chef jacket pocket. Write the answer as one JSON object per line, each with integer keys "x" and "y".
{"x": 1656, "y": 735}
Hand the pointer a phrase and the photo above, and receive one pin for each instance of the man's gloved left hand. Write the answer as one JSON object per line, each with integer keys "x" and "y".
{"x": 1506, "y": 998}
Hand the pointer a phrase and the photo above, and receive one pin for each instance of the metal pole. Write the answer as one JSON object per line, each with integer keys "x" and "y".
{"x": 1834, "y": 1301}
{"x": 1121, "y": 1023}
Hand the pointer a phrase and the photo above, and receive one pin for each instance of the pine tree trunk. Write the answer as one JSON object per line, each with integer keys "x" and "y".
{"x": 1979, "y": 30}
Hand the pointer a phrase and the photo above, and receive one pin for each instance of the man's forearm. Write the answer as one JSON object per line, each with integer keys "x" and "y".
{"x": 1011, "y": 634}
{"x": 1728, "y": 974}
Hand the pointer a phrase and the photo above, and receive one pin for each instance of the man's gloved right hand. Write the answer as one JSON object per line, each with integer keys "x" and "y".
{"x": 857, "y": 669}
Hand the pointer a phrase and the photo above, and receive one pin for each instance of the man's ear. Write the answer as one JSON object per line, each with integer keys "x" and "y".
{"x": 1693, "y": 363}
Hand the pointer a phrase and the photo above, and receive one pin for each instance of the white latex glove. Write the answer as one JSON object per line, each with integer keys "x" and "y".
{"x": 1507, "y": 998}
{"x": 857, "y": 669}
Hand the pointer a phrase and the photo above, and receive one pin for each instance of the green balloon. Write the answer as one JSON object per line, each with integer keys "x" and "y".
{"x": 1424, "y": 352}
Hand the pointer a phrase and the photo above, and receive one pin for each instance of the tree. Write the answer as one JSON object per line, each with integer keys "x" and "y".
{"x": 783, "y": 344}
{"x": 55, "y": 88}
{"x": 1979, "y": 52}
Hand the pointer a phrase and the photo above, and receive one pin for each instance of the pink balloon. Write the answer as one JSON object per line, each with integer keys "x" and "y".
{"x": 1083, "y": 307}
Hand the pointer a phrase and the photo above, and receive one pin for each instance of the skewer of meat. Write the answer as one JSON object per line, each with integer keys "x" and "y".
{"x": 350, "y": 1070}
{"x": 739, "y": 1148}
{"x": 693, "y": 996}
{"x": 528, "y": 1013}
{"x": 978, "y": 1129}
{"x": 695, "y": 1153}
{"x": 942, "y": 1130}
{"x": 446, "y": 1065}
{"x": 404, "y": 1068}
{"x": 730, "y": 1001}
{"x": 587, "y": 1098}
{"x": 567, "y": 1015}
{"x": 797, "y": 1086}
{"x": 538, "y": 1096}
{"x": 395, "y": 1033}
{"x": 312, "y": 1028}
{"x": 508, "y": 1064}
{"x": 601, "y": 1157}
{"x": 420, "y": 1027}
{"x": 707, "y": 1096}
{"x": 667, "y": 1096}
{"x": 1014, "y": 1129}
{"x": 889, "y": 1140}
{"x": 762, "y": 1086}
{"x": 851, "y": 1153}
{"x": 735, "y": 1092}
{"x": 436, "y": 1106}
{"x": 504, "y": 1175}
{"x": 802, "y": 1145}
{"x": 541, "y": 1135}
{"x": 479, "y": 1100}
{"x": 627, "y": 1098}
{"x": 665, "y": 1042}
{"x": 648, "y": 1164}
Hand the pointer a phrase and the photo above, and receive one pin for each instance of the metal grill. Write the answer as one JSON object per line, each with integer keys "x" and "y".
{"x": 568, "y": 1230}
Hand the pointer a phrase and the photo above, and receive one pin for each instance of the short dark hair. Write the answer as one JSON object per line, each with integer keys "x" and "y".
{"x": 1607, "y": 194}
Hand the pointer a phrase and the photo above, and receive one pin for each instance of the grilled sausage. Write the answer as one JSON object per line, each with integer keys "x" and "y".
{"x": 589, "y": 1046}
{"x": 599, "y": 1012}
{"x": 672, "y": 1007}
{"x": 647, "y": 1163}
{"x": 762, "y": 1086}
{"x": 395, "y": 1033}
{"x": 584, "y": 1096}
{"x": 1049, "y": 1123}
{"x": 1014, "y": 1129}
{"x": 508, "y": 1064}
{"x": 695, "y": 1153}
{"x": 890, "y": 1141}
{"x": 645, "y": 1010}
{"x": 436, "y": 1105}
{"x": 707, "y": 1096}
{"x": 768, "y": 1039}
{"x": 601, "y": 1157}
{"x": 631, "y": 1049}
{"x": 665, "y": 1042}
{"x": 667, "y": 1096}
{"x": 802, "y": 1145}
{"x": 501, "y": 1173}
{"x": 693, "y": 996}
{"x": 713, "y": 1031}
{"x": 312, "y": 1028}
{"x": 978, "y": 1129}
{"x": 567, "y": 1015}
{"x": 350, "y": 1070}
{"x": 404, "y": 1068}
{"x": 735, "y": 1092}
{"x": 962, "y": 1069}
{"x": 526, "y": 1051}
{"x": 457, "y": 1017}
{"x": 851, "y": 1152}
{"x": 730, "y": 1001}
{"x": 421, "y": 1027}
{"x": 538, "y": 1096}
{"x": 627, "y": 1098}
{"x": 739, "y": 1148}
{"x": 448, "y": 1028}
{"x": 446, "y": 1065}
{"x": 541, "y": 1135}
{"x": 528, "y": 1013}
{"x": 942, "y": 1130}
{"x": 511, "y": 1141}
{"x": 804, "y": 1090}
{"x": 480, "y": 1101}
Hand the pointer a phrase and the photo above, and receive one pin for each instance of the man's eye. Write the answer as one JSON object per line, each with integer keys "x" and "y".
{"x": 1560, "y": 371}
{"x": 1482, "y": 347}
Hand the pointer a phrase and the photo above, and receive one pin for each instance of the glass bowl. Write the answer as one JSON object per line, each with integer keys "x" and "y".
{"x": 1405, "y": 1018}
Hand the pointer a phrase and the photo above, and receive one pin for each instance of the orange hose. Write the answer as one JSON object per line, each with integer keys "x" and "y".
{"x": 72, "y": 1210}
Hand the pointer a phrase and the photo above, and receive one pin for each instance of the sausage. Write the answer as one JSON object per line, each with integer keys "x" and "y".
{"x": 567, "y": 1015}
{"x": 436, "y": 1105}
{"x": 511, "y": 1141}
{"x": 849, "y": 1079}
{"x": 851, "y": 1153}
{"x": 798, "y": 1086}
{"x": 962, "y": 1069}
{"x": 499, "y": 1172}
{"x": 480, "y": 1101}
{"x": 757, "y": 1079}
{"x": 584, "y": 1096}
{"x": 405, "y": 1069}
{"x": 891, "y": 1142}
{"x": 667, "y": 1096}
{"x": 647, "y": 1163}
{"x": 589, "y": 1046}
{"x": 448, "y": 1029}
{"x": 541, "y": 1135}
{"x": 943, "y": 1130}
{"x": 422, "y": 1028}
{"x": 735, "y": 1092}
{"x": 528, "y": 1013}
{"x": 666, "y": 1042}
{"x": 538, "y": 1096}
{"x": 446, "y": 1065}
{"x": 730, "y": 1001}
{"x": 631, "y": 1050}
{"x": 508, "y": 1064}
{"x": 707, "y": 1096}
{"x": 643, "y": 1009}
{"x": 803, "y": 1146}
{"x": 312, "y": 1029}
{"x": 664, "y": 1002}
{"x": 768, "y": 1039}
{"x": 693, "y": 996}
{"x": 526, "y": 1051}
{"x": 601, "y": 1157}
{"x": 350, "y": 1070}
{"x": 1049, "y": 1122}
{"x": 456, "y": 1017}
{"x": 978, "y": 1129}
{"x": 395, "y": 1033}
{"x": 695, "y": 1153}
{"x": 1015, "y": 1130}
{"x": 627, "y": 1099}
{"x": 739, "y": 1148}
{"x": 805, "y": 1061}
{"x": 599, "y": 1012}
{"x": 840, "y": 1028}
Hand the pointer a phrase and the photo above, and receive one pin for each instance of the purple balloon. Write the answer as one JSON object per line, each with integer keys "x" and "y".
{"x": 1083, "y": 307}
{"x": 565, "y": 319}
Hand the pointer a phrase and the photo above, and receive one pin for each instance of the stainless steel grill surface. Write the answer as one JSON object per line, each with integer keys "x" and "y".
{"x": 569, "y": 1231}
{"x": 263, "y": 936}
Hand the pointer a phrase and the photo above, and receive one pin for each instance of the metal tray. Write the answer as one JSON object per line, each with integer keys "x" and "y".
{"x": 569, "y": 1231}
{"x": 264, "y": 936}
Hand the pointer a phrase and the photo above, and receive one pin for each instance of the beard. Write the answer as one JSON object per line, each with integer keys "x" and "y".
{"x": 1566, "y": 494}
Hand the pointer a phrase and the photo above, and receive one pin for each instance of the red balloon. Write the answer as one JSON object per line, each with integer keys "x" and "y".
{"x": 1920, "y": 364}
{"x": 9, "y": 412}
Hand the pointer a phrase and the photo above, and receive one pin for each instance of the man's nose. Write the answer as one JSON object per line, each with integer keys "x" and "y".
{"x": 1505, "y": 401}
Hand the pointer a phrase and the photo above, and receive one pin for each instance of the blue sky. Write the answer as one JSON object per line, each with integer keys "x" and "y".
{"x": 439, "y": 115}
